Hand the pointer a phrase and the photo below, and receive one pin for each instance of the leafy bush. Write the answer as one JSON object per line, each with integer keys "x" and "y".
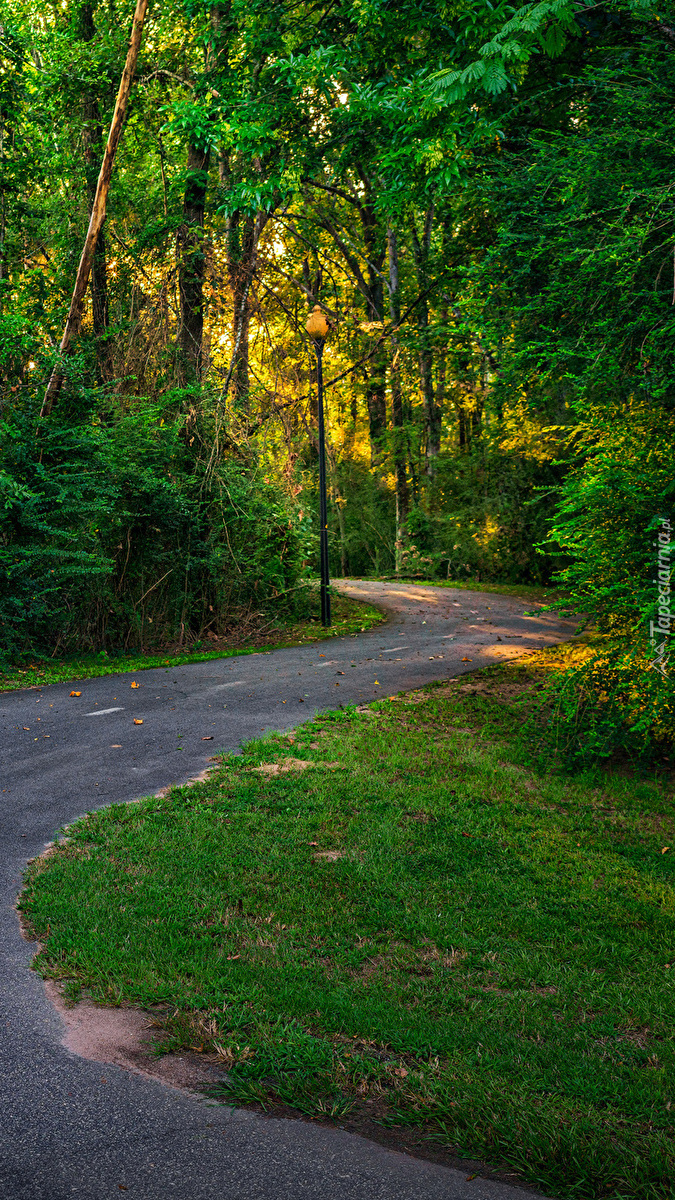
{"x": 491, "y": 516}
{"x": 580, "y": 271}
{"x": 110, "y": 536}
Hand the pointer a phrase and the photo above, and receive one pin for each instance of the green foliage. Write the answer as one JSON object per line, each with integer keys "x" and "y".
{"x": 490, "y": 512}
{"x": 479, "y": 196}
{"x": 582, "y": 263}
{"x": 614, "y": 701}
{"x": 110, "y": 537}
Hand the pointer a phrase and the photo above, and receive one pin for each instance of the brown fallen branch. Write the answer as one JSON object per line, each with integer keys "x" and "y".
{"x": 74, "y": 318}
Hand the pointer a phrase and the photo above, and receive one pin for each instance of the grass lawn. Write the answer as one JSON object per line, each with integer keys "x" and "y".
{"x": 395, "y": 917}
{"x": 349, "y": 616}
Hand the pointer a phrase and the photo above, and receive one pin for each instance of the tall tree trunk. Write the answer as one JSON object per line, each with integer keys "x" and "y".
{"x": 376, "y": 247}
{"x": 399, "y": 438}
{"x": 369, "y": 282}
{"x": 192, "y": 267}
{"x": 432, "y": 409}
{"x": 441, "y": 379}
{"x": 240, "y": 264}
{"x": 242, "y": 240}
{"x": 463, "y": 428}
{"x": 4, "y": 265}
{"x": 92, "y": 137}
{"x": 376, "y": 399}
{"x": 97, "y": 218}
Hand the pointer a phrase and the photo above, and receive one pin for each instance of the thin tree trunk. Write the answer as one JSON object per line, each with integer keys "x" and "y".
{"x": 370, "y": 284}
{"x": 92, "y": 136}
{"x": 376, "y": 248}
{"x": 4, "y": 266}
{"x": 192, "y": 267}
{"x": 463, "y": 430}
{"x": 74, "y": 318}
{"x": 432, "y": 410}
{"x": 241, "y": 245}
{"x": 441, "y": 381}
{"x": 400, "y": 469}
{"x": 376, "y": 398}
{"x": 338, "y": 504}
{"x": 242, "y": 238}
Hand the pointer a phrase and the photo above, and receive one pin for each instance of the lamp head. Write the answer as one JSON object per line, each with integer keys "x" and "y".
{"x": 317, "y": 325}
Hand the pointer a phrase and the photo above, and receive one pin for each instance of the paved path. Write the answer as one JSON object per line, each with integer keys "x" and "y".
{"x": 70, "y": 1128}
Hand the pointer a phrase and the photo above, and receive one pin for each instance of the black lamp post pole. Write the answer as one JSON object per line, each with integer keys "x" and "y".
{"x": 323, "y": 508}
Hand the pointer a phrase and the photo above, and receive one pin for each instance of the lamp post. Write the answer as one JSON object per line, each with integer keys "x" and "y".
{"x": 317, "y": 328}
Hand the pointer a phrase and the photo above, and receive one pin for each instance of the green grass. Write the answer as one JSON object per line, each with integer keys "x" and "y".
{"x": 487, "y": 956}
{"x": 349, "y": 616}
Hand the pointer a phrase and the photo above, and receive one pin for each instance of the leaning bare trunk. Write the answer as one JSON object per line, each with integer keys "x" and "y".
{"x": 92, "y": 139}
{"x": 74, "y": 318}
{"x": 399, "y": 446}
{"x": 192, "y": 267}
{"x": 100, "y": 318}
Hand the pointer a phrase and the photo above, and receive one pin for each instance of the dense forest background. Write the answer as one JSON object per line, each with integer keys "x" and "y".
{"x": 481, "y": 198}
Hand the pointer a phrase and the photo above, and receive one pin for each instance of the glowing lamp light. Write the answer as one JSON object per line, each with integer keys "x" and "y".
{"x": 317, "y": 325}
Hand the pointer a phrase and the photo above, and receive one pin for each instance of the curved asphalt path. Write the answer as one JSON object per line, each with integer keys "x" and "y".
{"x": 68, "y": 1127}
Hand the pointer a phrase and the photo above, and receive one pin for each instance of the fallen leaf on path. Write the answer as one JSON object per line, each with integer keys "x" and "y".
{"x": 138, "y": 720}
{"x": 76, "y": 693}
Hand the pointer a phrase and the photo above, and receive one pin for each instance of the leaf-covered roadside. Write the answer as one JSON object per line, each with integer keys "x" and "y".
{"x": 429, "y": 934}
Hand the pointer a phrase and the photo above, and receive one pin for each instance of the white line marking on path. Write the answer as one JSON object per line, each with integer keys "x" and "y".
{"x": 101, "y": 712}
